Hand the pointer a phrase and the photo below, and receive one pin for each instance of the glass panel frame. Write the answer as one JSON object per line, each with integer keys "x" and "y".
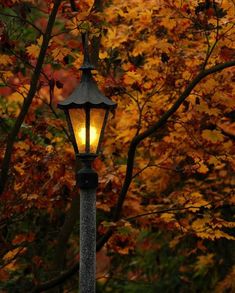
{"x": 87, "y": 128}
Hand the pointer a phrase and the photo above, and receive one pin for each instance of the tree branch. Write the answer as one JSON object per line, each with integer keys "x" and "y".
{"x": 57, "y": 280}
{"x": 73, "y": 5}
{"x": 28, "y": 100}
{"x": 161, "y": 122}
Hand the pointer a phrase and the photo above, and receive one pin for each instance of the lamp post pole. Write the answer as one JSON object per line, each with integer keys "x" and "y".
{"x": 87, "y": 110}
{"x": 87, "y": 180}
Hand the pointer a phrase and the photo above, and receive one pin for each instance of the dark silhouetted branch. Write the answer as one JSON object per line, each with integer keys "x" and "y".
{"x": 161, "y": 122}
{"x": 28, "y": 100}
{"x": 73, "y": 5}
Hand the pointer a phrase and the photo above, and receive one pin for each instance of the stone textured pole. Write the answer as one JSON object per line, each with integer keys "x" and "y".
{"x": 87, "y": 275}
{"x": 87, "y": 180}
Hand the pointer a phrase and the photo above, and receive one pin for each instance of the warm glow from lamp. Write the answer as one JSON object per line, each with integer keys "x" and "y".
{"x": 93, "y": 135}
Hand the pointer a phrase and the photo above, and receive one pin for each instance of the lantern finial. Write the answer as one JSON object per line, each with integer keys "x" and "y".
{"x": 86, "y": 61}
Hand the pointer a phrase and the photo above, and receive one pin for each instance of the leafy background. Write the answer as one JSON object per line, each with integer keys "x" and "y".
{"x": 172, "y": 228}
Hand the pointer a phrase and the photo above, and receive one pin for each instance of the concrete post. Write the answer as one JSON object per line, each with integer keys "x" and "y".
{"x": 87, "y": 275}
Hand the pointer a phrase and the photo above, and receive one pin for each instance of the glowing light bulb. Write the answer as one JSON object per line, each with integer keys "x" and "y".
{"x": 93, "y": 135}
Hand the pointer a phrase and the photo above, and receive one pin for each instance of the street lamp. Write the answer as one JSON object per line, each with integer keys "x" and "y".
{"x": 86, "y": 111}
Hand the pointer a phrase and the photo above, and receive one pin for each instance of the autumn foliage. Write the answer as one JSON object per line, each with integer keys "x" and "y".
{"x": 165, "y": 202}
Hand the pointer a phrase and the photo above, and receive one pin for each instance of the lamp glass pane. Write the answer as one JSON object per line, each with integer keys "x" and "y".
{"x": 78, "y": 120}
{"x": 96, "y": 123}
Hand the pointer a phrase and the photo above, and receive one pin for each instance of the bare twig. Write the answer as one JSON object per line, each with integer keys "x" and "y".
{"x": 210, "y": 48}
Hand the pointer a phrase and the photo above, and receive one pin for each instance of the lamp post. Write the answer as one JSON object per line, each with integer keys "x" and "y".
{"x": 86, "y": 111}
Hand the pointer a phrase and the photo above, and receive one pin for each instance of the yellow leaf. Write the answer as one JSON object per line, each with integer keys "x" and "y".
{"x": 12, "y": 253}
{"x": 224, "y": 98}
{"x": 148, "y": 85}
{"x": 212, "y": 136}
{"x": 32, "y": 196}
{"x": 132, "y": 77}
{"x": 59, "y": 53}
{"x": 163, "y": 45}
{"x": 33, "y": 51}
{"x": 144, "y": 46}
{"x": 214, "y": 161}
{"x": 202, "y": 169}
{"x": 205, "y": 229}
{"x": 117, "y": 36}
{"x": 170, "y": 23}
{"x": 5, "y": 75}
{"x": 19, "y": 168}
{"x": 204, "y": 261}
{"x": 200, "y": 223}
{"x": 167, "y": 217}
{"x": 39, "y": 41}
{"x": 103, "y": 55}
{"x": 83, "y": 15}
{"x": 145, "y": 18}
{"x": 29, "y": 197}
{"x": 78, "y": 61}
{"x": 220, "y": 234}
{"x": 72, "y": 26}
{"x": 16, "y": 97}
{"x": 209, "y": 85}
{"x": 196, "y": 201}
{"x": 124, "y": 251}
{"x": 12, "y": 266}
{"x": 22, "y": 145}
{"x": 186, "y": 75}
{"x": 203, "y": 108}
{"x": 103, "y": 206}
{"x": 5, "y": 59}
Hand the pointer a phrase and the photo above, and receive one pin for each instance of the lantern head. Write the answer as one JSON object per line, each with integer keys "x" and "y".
{"x": 87, "y": 111}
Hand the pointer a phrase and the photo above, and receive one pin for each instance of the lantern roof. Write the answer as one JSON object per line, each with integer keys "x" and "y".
{"x": 87, "y": 93}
